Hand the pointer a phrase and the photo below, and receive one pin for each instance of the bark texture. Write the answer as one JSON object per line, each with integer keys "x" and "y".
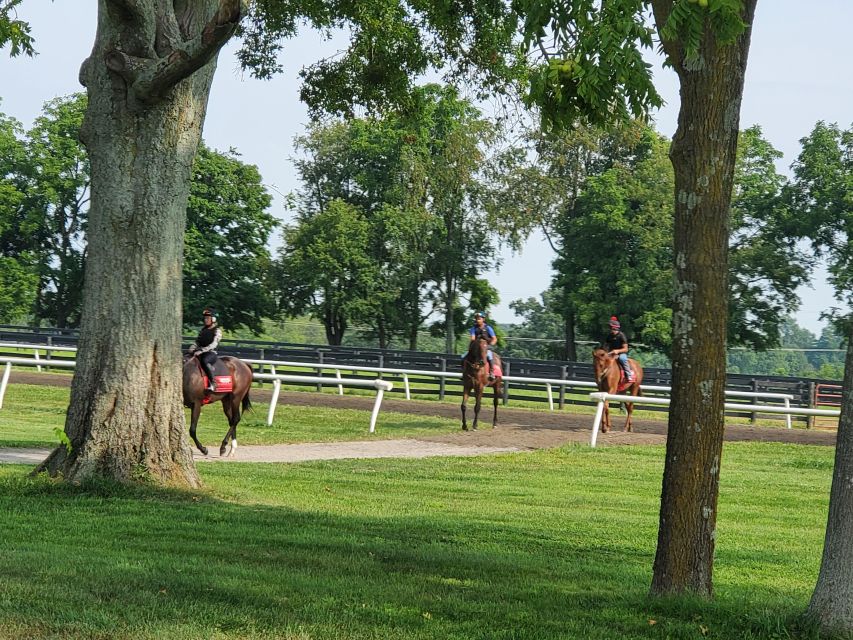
{"x": 703, "y": 155}
{"x": 832, "y": 600}
{"x": 148, "y": 80}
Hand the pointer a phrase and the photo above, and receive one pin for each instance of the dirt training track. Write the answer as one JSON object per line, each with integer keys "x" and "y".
{"x": 518, "y": 429}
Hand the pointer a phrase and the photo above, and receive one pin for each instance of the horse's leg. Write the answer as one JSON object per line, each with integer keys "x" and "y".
{"x": 477, "y": 404}
{"x": 497, "y": 387}
{"x": 465, "y": 391}
{"x": 605, "y": 423}
{"x": 196, "y": 412}
{"x": 629, "y": 407}
{"x": 231, "y": 406}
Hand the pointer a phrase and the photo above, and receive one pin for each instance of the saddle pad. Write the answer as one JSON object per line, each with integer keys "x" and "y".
{"x": 224, "y": 384}
{"x": 497, "y": 371}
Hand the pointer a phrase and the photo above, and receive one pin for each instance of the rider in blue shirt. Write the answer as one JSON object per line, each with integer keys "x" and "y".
{"x": 479, "y": 329}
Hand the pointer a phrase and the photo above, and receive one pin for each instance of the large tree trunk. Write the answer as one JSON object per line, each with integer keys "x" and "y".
{"x": 148, "y": 81}
{"x": 703, "y": 155}
{"x": 832, "y": 600}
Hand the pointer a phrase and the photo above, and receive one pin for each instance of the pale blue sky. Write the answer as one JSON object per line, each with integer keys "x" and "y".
{"x": 798, "y": 73}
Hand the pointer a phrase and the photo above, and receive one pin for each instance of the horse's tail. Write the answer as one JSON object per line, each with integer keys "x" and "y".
{"x": 247, "y": 404}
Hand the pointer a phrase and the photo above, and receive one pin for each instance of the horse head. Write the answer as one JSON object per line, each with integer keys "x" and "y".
{"x": 600, "y": 363}
{"x": 477, "y": 352}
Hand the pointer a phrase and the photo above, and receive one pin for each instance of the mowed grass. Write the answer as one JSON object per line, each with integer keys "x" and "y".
{"x": 550, "y": 544}
{"x": 31, "y": 413}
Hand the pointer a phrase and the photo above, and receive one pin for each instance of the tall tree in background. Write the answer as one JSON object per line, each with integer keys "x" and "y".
{"x": 461, "y": 245}
{"x": 18, "y": 228}
{"x": 226, "y": 260}
{"x": 766, "y": 264}
{"x": 327, "y": 270}
{"x": 60, "y": 175}
{"x": 823, "y": 175}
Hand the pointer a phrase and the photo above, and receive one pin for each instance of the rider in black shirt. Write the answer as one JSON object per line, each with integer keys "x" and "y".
{"x": 204, "y": 345}
{"x": 617, "y": 345}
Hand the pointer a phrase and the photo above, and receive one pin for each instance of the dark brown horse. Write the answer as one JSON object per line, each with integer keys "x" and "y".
{"x": 194, "y": 395}
{"x": 610, "y": 379}
{"x": 475, "y": 378}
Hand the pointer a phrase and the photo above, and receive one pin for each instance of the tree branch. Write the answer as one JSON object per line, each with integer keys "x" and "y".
{"x": 150, "y": 79}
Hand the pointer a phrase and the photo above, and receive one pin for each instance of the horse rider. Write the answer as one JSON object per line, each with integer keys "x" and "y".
{"x": 204, "y": 345}
{"x": 617, "y": 346}
{"x": 482, "y": 330}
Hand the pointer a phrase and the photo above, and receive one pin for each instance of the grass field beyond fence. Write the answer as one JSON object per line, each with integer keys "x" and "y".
{"x": 543, "y": 545}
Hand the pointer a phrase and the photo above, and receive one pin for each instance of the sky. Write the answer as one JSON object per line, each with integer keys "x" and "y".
{"x": 798, "y": 73}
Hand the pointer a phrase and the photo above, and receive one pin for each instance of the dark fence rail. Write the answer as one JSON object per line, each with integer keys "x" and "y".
{"x": 802, "y": 389}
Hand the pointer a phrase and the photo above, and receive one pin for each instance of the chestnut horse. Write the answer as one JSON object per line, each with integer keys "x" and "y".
{"x": 610, "y": 379}
{"x": 194, "y": 395}
{"x": 475, "y": 378}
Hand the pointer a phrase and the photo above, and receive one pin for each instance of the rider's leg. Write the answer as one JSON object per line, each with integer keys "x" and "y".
{"x": 623, "y": 360}
{"x": 207, "y": 360}
{"x": 491, "y": 365}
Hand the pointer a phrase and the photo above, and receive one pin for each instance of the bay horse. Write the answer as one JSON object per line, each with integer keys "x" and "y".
{"x": 232, "y": 401}
{"x": 475, "y": 378}
{"x": 610, "y": 378}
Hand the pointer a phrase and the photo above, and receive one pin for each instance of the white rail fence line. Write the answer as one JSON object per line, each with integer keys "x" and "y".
{"x": 381, "y": 387}
{"x": 601, "y": 398}
{"x": 4, "y": 382}
{"x": 549, "y": 383}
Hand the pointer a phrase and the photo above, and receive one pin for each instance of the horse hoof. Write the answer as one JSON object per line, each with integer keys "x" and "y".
{"x": 464, "y": 428}
{"x": 204, "y": 450}
{"x": 222, "y": 451}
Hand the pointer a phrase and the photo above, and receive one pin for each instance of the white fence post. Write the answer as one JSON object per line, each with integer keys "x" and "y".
{"x": 276, "y": 389}
{"x": 599, "y": 412}
{"x": 6, "y": 373}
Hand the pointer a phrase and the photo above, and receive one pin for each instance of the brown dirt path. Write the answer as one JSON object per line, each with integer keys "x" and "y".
{"x": 518, "y": 429}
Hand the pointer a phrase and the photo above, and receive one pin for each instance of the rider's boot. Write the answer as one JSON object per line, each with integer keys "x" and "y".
{"x": 491, "y": 370}
{"x": 629, "y": 374}
{"x": 211, "y": 380}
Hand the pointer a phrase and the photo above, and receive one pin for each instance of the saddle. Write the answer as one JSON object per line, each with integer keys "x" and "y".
{"x": 221, "y": 375}
{"x": 624, "y": 383}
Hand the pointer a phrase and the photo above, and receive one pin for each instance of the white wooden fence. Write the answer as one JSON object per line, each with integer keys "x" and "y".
{"x": 340, "y": 382}
{"x": 601, "y": 398}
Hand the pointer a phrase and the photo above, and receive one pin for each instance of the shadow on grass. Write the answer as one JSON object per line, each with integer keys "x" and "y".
{"x": 108, "y": 560}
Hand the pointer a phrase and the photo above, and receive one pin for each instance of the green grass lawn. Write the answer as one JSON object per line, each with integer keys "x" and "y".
{"x": 550, "y": 544}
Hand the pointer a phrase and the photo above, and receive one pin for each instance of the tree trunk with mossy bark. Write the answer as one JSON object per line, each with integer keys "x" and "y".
{"x": 148, "y": 80}
{"x": 832, "y": 601}
{"x": 703, "y": 155}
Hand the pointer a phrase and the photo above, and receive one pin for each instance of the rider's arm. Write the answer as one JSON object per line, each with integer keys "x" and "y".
{"x": 473, "y": 334}
{"x": 493, "y": 338}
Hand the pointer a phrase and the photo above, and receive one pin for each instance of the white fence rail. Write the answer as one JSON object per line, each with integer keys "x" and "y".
{"x": 601, "y": 398}
{"x": 548, "y": 383}
{"x": 381, "y": 387}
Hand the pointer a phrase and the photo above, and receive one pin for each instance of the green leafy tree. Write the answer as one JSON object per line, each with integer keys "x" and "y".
{"x": 59, "y": 173}
{"x": 325, "y": 269}
{"x": 14, "y": 32}
{"x": 823, "y": 176}
{"x": 461, "y": 246}
{"x": 226, "y": 260}
{"x": 18, "y": 227}
{"x": 766, "y": 263}
{"x": 374, "y": 165}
